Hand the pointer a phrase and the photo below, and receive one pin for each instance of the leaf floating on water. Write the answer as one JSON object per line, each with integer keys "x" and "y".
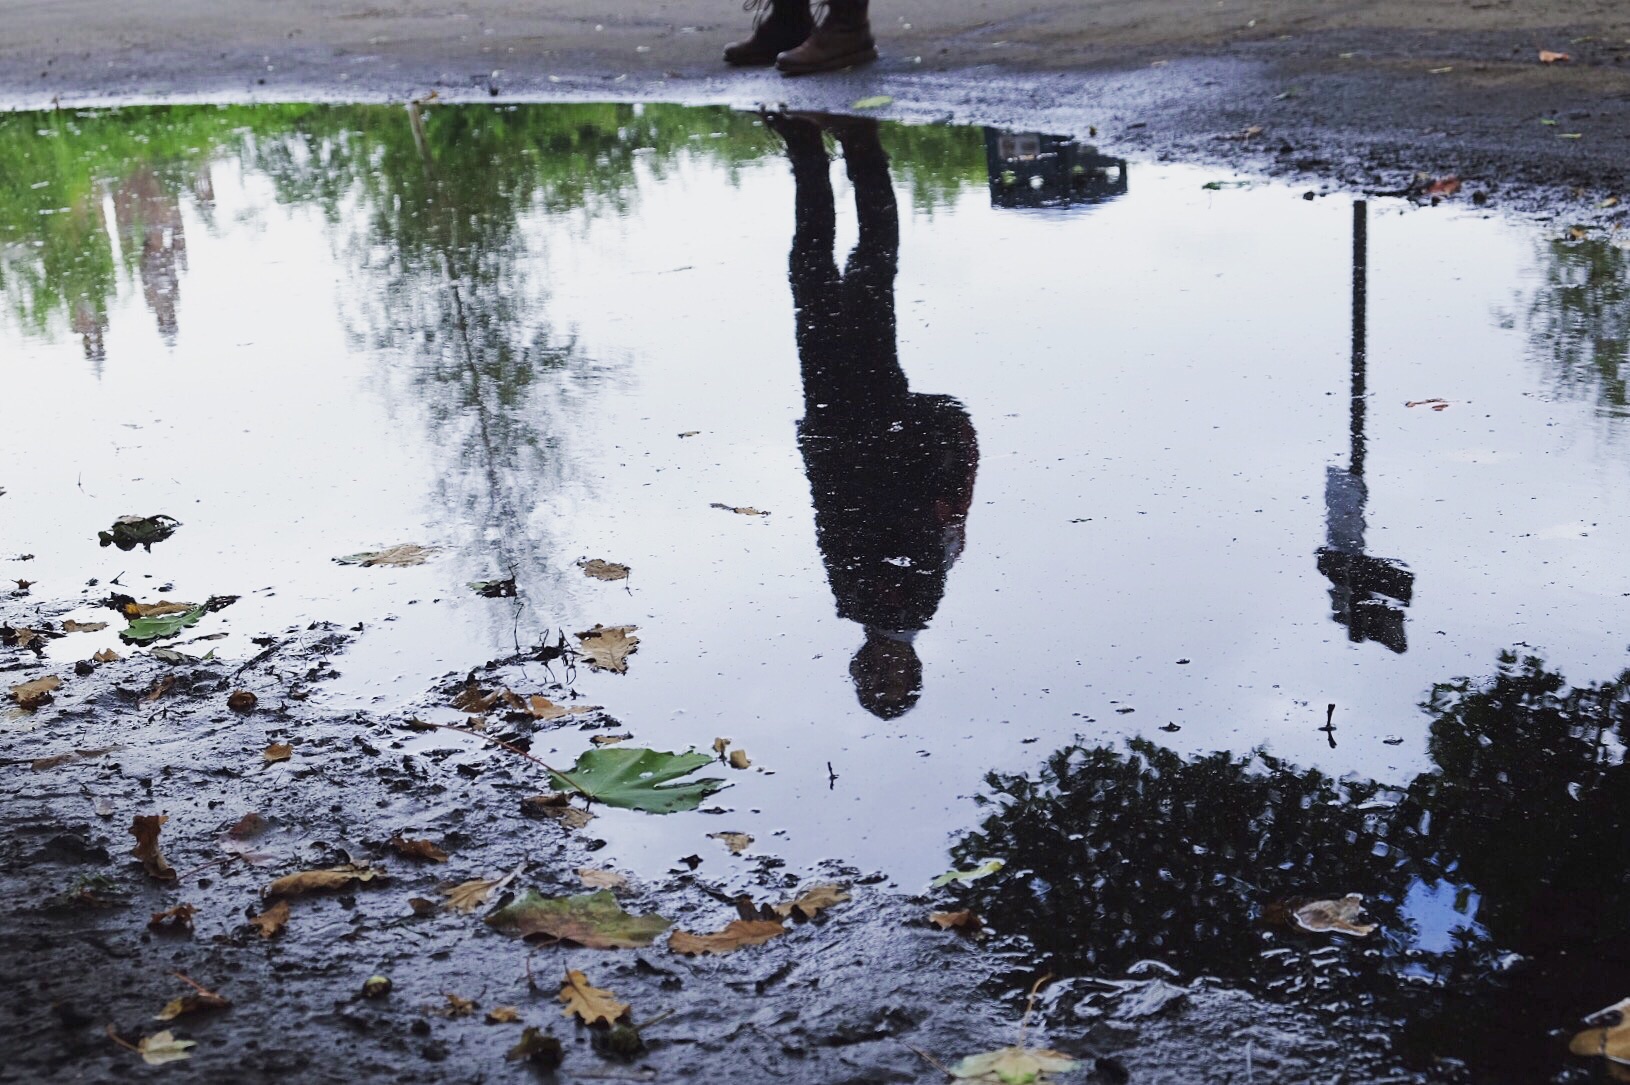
{"x": 876, "y": 101}
{"x": 639, "y": 779}
{"x": 812, "y": 902}
{"x": 607, "y": 648}
{"x": 399, "y": 556}
{"x": 610, "y": 740}
{"x": 133, "y": 609}
{"x": 163, "y": 1047}
{"x": 494, "y": 589}
{"x": 597, "y": 569}
{"x": 739, "y": 510}
{"x": 1434, "y": 403}
{"x": 145, "y": 828}
{"x": 1607, "y": 1036}
{"x": 738, "y": 760}
{"x": 313, "y": 881}
{"x": 129, "y": 532}
{"x": 1335, "y": 916}
{"x": 158, "y": 626}
{"x": 591, "y": 1005}
{"x": 71, "y": 626}
{"x": 968, "y": 877}
{"x": 542, "y": 708}
{"x": 37, "y": 692}
{"x": 1013, "y": 1066}
{"x": 738, "y": 934}
{"x": 736, "y": 842}
{"x": 593, "y": 920}
{"x": 1218, "y": 186}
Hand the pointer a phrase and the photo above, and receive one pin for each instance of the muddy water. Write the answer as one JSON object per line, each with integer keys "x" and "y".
{"x": 1107, "y": 454}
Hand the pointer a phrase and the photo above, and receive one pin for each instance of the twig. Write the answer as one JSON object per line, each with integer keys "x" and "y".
{"x": 190, "y": 982}
{"x": 501, "y": 744}
{"x": 926, "y": 1057}
{"x": 205, "y": 866}
{"x": 1030, "y": 1004}
{"x": 120, "y": 1040}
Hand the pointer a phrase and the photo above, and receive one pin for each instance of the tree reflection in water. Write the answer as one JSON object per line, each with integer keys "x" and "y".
{"x": 1500, "y": 878}
{"x": 1579, "y": 320}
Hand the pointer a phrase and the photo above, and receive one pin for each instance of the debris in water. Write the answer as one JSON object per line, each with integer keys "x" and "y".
{"x": 1334, "y": 916}
{"x": 129, "y": 532}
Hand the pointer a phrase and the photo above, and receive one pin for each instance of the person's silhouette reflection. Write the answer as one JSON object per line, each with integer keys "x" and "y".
{"x": 891, "y": 471}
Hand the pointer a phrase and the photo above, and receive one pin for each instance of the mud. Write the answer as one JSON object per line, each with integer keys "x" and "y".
{"x": 853, "y": 996}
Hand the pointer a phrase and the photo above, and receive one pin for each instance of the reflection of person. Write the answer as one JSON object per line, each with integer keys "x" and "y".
{"x": 891, "y": 471}
{"x": 786, "y": 34}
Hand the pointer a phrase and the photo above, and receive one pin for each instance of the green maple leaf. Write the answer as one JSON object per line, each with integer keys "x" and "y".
{"x": 639, "y": 779}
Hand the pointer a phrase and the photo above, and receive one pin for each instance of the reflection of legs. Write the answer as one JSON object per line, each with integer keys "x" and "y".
{"x": 868, "y": 281}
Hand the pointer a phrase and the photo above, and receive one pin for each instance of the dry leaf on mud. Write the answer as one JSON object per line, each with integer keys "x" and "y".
{"x": 396, "y": 556}
{"x": 466, "y": 897}
{"x": 161, "y": 686}
{"x": 557, "y": 807}
{"x": 1444, "y": 186}
{"x": 738, "y": 759}
{"x": 177, "y": 920}
{"x": 458, "y": 1007}
{"x": 278, "y": 751}
{"x": 107, "y": 655}
{"x": 610, "y": 740}
{"x": 145, "y": 828}
{"x": 163, "y": 1047}
{"x": 1013, "y": 1066}
{"x": 71, "y": 626}
{"x": 739, "y": 510}
{"x": 248, "y": 827}
{"x": 736, "y": 935}
{"x": 592, "y": 920}
{"x": 607, "y": 648}
{"x": 503, "y": 1015}
{"x": 604, "y": 570}
{"x": 37, "y": 692}
{"x": 271, "y": 922}
{"x": 591, "y": 1005}
{"x": 40, "y": 764}
{"x": 134, "y": 609}
{"x": 542, "y": 708}
{"x": 242, "y": 701}
{"x": 417, "y": 849}
{"x": 964, "y": 922}
{"x": 1550, "y": 56}
{"x": 343, "y": 876}
{"x": 602, "y": 879}
{"x": 736, "y": 842}
{"x": 1336, "y": 916}
{"x": 1607, "y": 1037}
{"x": 812, "y": 902}
{"x": 201, "y": 1000}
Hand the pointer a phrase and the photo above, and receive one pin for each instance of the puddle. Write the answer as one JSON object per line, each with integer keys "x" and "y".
{"x": 1046, "y": 444}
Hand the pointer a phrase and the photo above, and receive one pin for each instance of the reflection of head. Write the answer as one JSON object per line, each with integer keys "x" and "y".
{"x": 888, "y": 675}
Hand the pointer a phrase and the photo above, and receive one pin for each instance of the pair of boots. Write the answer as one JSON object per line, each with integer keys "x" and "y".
{"x": 787, "y": 35}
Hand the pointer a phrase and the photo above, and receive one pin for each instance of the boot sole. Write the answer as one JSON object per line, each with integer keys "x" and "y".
{"x": 847, "y": 60}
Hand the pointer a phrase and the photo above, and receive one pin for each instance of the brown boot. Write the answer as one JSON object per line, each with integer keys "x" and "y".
{"x": 780, "y": 25}
{"x": 841, "y": 40}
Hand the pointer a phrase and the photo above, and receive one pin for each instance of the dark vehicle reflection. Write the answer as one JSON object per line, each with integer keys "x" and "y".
{"x": 1032, "y": 169}
{"x": 891, "y": 471}
{"x": 1367, "y": 594}
{"x": 1500, "y": 878}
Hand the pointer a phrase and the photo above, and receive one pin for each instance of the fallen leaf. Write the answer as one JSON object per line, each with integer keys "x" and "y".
{"x": 458, "y": 1007}
{"x": 156, "y": 627}
{"x": 201, "y": 1000}
{"x": 23, "y": 637}
{"x": 472, "y": 698}
{"x": 423, "y": 907}
{"x": 40, "y": 764}
{"x": 242, "y": 701}
{"x": 398, "y": 556}
{"x": 593, "y": 920}
{"x": 1607, "y": 1037}
{"x": 603, "y": 570}
{"x": 161, "y": 686}
{"x": 537, "y": 1047}
{"x": 129, "y": 532}
{"x": 1335, "y": 916}
{"x": 591, "y": 1005}
{"x": 1013, "y": 1066}
{"x": 639, "y": 779}
{"x": 1611, "y": 201}
{"x": 1547, "y": 56}
{"x": 607, "y": 648}
{"x": 71, "y": 626}
{"x": 145, "y": 828}
{"x": 503, "y": 1015}
{"x": 812, "y": 902}
{"x": 601, "y": 879}
{"x": 1435, "y": 404}
{"x": 248, "y": 827}
{"x": 417, "y": 849}
{"x": 737, "y": 934}
{"x": 736, "y": 842}
{"x": 312, "y": 881}
{"x": 738, "y": 759}
{"x": 133, "y": 609}
{"x": 163, "y": 1047}
{"x": 966, "y": 922}
{"x": 37, "y": 692}
{"x": 968, "y": 877}
{"x": 609, "y": 740}
{"x": 557, "y": 807}
{"x": 739, "y": 510}
{"x": 106, "y": 655}
{"x": 271, "y": 922}
{"x": 542, "y": 708}
{"x": 691, "y": 433}
{"x": 278, "y": 751}
{"x": 177, "y": 920}
{"x": 876, "y": 101}
{"x": 466, "y": 897}
{"x": 720, "y": 745}
{"x": 1444, "y": 186}
{"x": 1577, "y": 233}
{"x": 494, "y": 589}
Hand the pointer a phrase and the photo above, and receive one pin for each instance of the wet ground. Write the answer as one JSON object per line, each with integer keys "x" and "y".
{"x": 963, "y": 467}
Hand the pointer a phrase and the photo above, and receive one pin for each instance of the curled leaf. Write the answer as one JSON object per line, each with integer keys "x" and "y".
{"x": 591, "y": 1005}
{"x": 417, "y": 849}
{"x": 313, "y": 881}
{"x": 271, "y": 922}
{"x": 37, "y": 692}
{"x": 1334, "y": 916}
{"x": 607, "y": 648}
{"x": 736, "y": 935}
{"x": 145, "y": 828}
{"x": 812, "y": 902}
